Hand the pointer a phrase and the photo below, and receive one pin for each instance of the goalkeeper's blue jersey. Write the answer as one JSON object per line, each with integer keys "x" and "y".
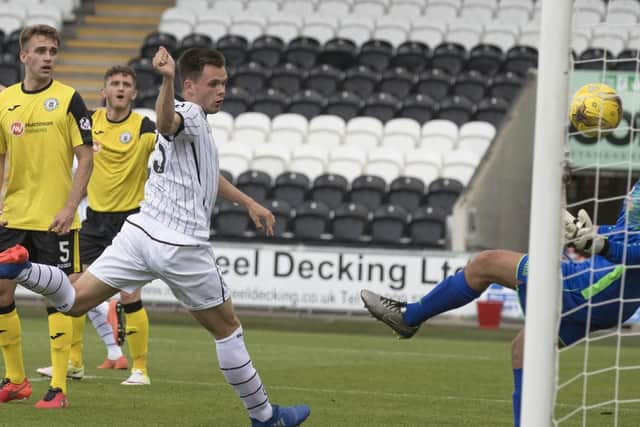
{"x": 629, "y": 221}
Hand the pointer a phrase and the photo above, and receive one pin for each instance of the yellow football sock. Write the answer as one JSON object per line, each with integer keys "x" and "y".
{"x": 138, "y": 336}
{"x": 61, "y": 334}
{"x": 75, "y": 355}
{"x": 11, "y": 343}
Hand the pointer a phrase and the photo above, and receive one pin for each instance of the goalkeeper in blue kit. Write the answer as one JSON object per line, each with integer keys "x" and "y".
{"x": 597, "y": 293}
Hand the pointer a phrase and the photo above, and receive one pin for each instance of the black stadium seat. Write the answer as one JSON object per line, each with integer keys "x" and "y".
{"x": 302, "y": 51}
{"x": 146, "y": 99}
{"x": 266, "y": 50}
{"x": 382, "y": 106}
{"x": 435, "y": 83}
{"x": 368, "y": 190}
{"x": 11, "y": 44}
{"x": 471, "y": 84}
{"x": 594, "y": 58}
{"x": 146, "y": 77}
{"x": 491, "y": 110}
{"x": 10, "y": 71}
{"x": 230, "y": 220}
{"x": 251, "y": 76}
{"x": 329, "y": 189}
{"x": 291, "y": 187}
{"x": 311, "y": 220}
{"x": 520, "y": 58}
{"x": 360, "y": 80}
{"x": 236, "y": 101}
{"x": 485, "y": 58}
{"x": 418, "y": 107}
{"x": 396, "y": 81}
{"x": 153, "y": 41}
{"x": 339, "y": 53}
{"x": 308, "y": 103}
{"x": 349, "y": 222}
{"x": 407, "y": 192}
{"x": 254, "y": 183}
{"x": 449, "y": 57}
{"x": 443, "y": 193}
{"x": 194, "y": 40}
{"x": 270, "y": 102}
{"x": 234, "y": 48}
{"x": 506, "y": 85}
{"x": 375, "y": 54}
{"x": 627, "y": 60}
{"x": 458, "y": 109}
{"x": 324, "y": 79}
{"x": 281, "y": 210}
{"x": 428, "y": 227}
{"x": 388, "y": 224}
{"x": 287, "y": 78}
{"x": 412, "y": 56}
{"x": 344, "y": 104}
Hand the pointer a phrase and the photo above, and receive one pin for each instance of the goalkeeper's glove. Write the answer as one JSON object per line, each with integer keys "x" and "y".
{"x": 585, "y": 237}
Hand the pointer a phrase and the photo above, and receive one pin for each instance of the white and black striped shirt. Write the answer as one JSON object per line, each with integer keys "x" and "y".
{"x": 183, "y": 175}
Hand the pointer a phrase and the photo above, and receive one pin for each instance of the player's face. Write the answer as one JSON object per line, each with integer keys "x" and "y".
{"x": 39, "y": 56}
{"x": 119, "y": 91}
{"x": 208, "y": 91}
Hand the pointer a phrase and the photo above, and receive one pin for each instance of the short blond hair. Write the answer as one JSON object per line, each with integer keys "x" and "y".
{"x": 31, "y": 31}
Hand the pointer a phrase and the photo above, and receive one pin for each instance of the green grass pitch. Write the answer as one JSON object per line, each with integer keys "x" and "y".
{"x": 350, "y": 373}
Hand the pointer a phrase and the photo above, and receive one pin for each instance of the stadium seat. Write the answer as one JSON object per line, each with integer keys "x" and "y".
{"x": 470, "y": 84}
{"x": 463, "y": 32}
{"x": 302, "y": 51}
{"x": 506, "y": 85}
{"x": 388, "y": 224}
{"x": 324, "y": 79}
{"x": 281, "y": 210}
{"x": 405, "y": 9}
{"x": 221, "y": 124}
{"x": 266, "y": 50}
{"x": 356, "y": 28}
{"x": 418, "y": 107}
{"x": 360, "y": 80}
{"x": 401, "y": 134}
{"x": 391, "y": 29}
{"x": 321, "y": 27}
{"x": 485, "y": 59}
{"x": 309, "y": 159}
{"x": 439, "y": 135}
{"x": 298, "y": 7}
{"x": 262, "y": 7}
{"x": 364, "y": 133}
{"x": 515, "y": 11}
{"x": 346, "y": 161}
{"x": 338, "y": 52}
{"x": 427, "y": 30}
{"x": 307, "y": 103}
{"x": 443, "y": 193}
{"x": 434, "y": 83}
{"x": 146, "y": 99}
{"x": 634, "y": 39}
{"x": 329, "y": 189}
{"x": 10, "y": 72}
{"x": 385, "y": 162}
{"x": 476, "y": 137}
{"x": 231, "y": 7}
{"x": 212, "y": 23}
{"x": 234, "y": 47}
{"x": 45, "y": 13}
{"x": 349, "y": 222}
{"x": 271, "y": 158}
{"x": 334, "y": 8}
{"x": 369, "y": 8}
{"x": 397, "y": 82}
{"x": 622, "y": 12}
{"x": 230, "y": 220}
{"x": 250, "y": 76}
{"x": 368, "y": 190}
{"x": 443, "y": 9}
{"x": 291, "y": 187}
{"x": 427, "y": 227}
{"x": 594, "y": 58}
{"x": 227, "y": 175}
{"x": 235, "y": 158}
{"x": 411, "y": 55}
{"x": 478, "y": 10}
{"x": 627, "y": 60}
{"x": 530, "y": 35}
{"x": 283, "y": 25}
{"x": 406, "y": 191}
{"x": 423, "y": 164}
{"x": 326, "y": 130}
{"x": 459, "y": 165}
{"x": 501, "y": 34}
{"x": 249, "y": 25}
{"x": 153, "y": 41}
{"x": 287, "y": 78}
{"x": 236, "y": 101}
{"x": 311, "y": 220}
{"x": 612, "y": 39}
{"x": 270, "y": 102}
{"x": 375, "y": 54}
{"x": 251, "y": 128}
{"x": 456, "y": 108}
{"x": 520, "y": 58}
{"x": 344, "y": 104}
{"x": 194, "y": 40}
{"x": 256, "y": 184}
{"x": 382, "y": 106}
{"x": 289, "y": 129}
{"x": 449, "y": 57}
{"x": 10, "y": 24}
{"x": 491, "y": 110}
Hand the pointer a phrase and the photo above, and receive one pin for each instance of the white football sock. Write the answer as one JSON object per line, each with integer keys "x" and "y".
{"x": 98, "y": 316}
{"x": 51, "y": 283}
{"x": 237, "y": 368}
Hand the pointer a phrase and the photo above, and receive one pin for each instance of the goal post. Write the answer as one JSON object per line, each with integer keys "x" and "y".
{"x": 544, "y": 293}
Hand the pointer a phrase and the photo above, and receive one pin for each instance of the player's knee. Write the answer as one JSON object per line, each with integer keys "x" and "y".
{"x": 7, "y": 293}
{"x": 481, "y": 266}
{"x": 130, "y": 298}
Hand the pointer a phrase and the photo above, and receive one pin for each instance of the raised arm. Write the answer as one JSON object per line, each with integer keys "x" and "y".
{"x": 167, "y": 120}
{"x": 261, "y": 216}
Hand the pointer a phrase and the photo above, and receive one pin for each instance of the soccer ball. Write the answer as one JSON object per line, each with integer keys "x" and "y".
{"x": 595, "y": 108}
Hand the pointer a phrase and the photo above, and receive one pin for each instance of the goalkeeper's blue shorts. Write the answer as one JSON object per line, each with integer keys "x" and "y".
{"x": 591, "y": 295}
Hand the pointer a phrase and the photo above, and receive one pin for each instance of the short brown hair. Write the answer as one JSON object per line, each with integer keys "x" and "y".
{"x": 120, "y": 69}
{"x": 192, "y": 62}
{"x": 30, "y": 31}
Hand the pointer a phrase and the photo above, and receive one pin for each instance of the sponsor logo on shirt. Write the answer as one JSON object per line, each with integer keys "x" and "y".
{"x": 17, "y": 128}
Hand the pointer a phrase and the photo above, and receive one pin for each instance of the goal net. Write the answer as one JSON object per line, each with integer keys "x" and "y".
{"x": 596, "y": 380}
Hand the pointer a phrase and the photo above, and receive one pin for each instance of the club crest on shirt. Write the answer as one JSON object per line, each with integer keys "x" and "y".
{"x": 125, "y": 137}
{"x": 17, "y": 128}
{"x": 85, "y": 123}
{"x": 51, "y": 104}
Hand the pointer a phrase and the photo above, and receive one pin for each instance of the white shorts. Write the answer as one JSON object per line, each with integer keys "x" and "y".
{"x": 145, "y": 250}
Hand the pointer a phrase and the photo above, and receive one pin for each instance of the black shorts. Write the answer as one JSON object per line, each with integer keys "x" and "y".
{"x": 45, "y": 247}
{"x": 98, "y": 231}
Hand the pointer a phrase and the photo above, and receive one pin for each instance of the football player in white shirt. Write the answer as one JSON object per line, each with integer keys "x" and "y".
{"x": 168, "y": 238}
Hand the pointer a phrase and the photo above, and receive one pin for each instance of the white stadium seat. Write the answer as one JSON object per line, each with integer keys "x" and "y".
{"x": 422, "y": 163}
{"x": 289, "y": 129}
{"x": 385, "y": 162}
{"x": 320, "y": 27}
{"x": 363, "y": 132}
{"x": 326, "y": 130}
{"x": 251, "y": 129}
{"x": 234, "y": 158}
{"x": 310, "y": 159}
{"x": 460, "y": 165}
{"x": 272, "y": 158}
{"x": 347, "y": 161}
{"x": 439, "y": 135}
{"x": 476, "y": 136}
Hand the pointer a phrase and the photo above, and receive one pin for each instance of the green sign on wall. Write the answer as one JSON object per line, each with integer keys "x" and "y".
{"x": 619, "y": 150}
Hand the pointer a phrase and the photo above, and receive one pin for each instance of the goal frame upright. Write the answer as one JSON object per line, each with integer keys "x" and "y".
{"x": 544, "y": 288}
